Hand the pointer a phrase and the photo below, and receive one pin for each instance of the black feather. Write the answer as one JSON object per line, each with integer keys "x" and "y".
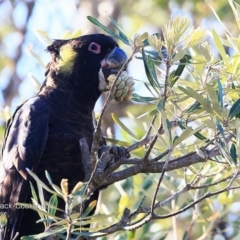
{"x": 44, "y": 132}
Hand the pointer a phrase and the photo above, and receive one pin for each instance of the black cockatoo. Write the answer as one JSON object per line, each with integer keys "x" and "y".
{"x": 44, "y": 132}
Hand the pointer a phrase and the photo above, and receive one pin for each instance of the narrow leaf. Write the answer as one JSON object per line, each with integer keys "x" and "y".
{"x": 220, "y": 93}
{"x": 166, "y": 127}
{"x": 151, "y": 64}
{"x": 107, "y": 30}
{"x": 160, "y": 105}
{"x": 35, "y": 177}
{"x": 235, "y": 109}
{"x": 148, "y": 88}
{"x": 36, "y": 205}
{"x": 150, "y": 113}
{"x": 238, "y": 136}
{"x": 174, "y": 76}
{"x": 39, "y": 210}
{"x": 54, "y": 186}
{"x": 138, "y": 98}
{"x": 123, "y": 126}
{"x": 148, "y": 71}
{"x": 53, "y": 202}
{"x": 233, "y": 154}
{"x": 235, "y": 8}
{"x": 184, "y": 135}
{"x": 219, "y": 45}
{"x": 193, "y": 107}
{"x": 196, "y": 134}
{"x": 192, "y": 93}
{"x": 220, "y": 128}
{"x": 214, "y": 99}
{"x": 216, "y": 15}
{"x": 124, "y": 38}
{"x": 90, "y": 207}
{"x": 33, "y": 192}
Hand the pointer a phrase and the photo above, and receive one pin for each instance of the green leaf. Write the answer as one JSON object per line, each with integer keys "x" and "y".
{"x": 123, "y": 126}
{"x": 197, "y": 134}
{"x": 235, "y": 109}
{"x": 33, "y": 192}
{"x": 40, "y": 186}
{"x": 166, "y": 126}
{"x": 192, "y": 93}
{"x": 155, "y": 55}
{"x": 121, "y": 33}
{"x": 214, "y": 99}
{"x": 39, "y": 210}
{"x": 35, "y": 177}
{"x": 40, "y": 213}
{"x": 220, "y": 93}
{"x": 45, "y": 220}
{"x": 78, "y": 198}
{"x": 138, "y": 98}
{"x": 107, "y": 30}
{"x": 210, "y": 124}
{"x": 193, "y": 107}
{"x": 174, "y": 76}
{"x": 178, "y": 56}
{"x": 233, "y": 154}
{"x": 48, "y": 177}
{"x": 150, "y": 113}
{"x": 160, "y": 105}
{"x": 151, "y": 64}
{"x": 89, "y": 209}
{"x": 149, "y": 71}
{"x": 53, "y": 202}
{"x": 235, "y": 8}
{"x": 237, "y": 124}
{"x": 175, "y": 139}
{"x": 54, "y": 186}
{"x": 163, "y": 237}
{"x": 41, "y": 195}
{"x": 224, "y": 150}
{"x": 148, "y": 88}
{"x": 184, "y": 135}
{"x": 216, "y": 15}
{"x": 221, "y": 130}
{"x": 219, "y": 45}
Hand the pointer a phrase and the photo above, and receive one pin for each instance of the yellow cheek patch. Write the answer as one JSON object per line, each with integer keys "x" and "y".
{"x": 66, "y": 59}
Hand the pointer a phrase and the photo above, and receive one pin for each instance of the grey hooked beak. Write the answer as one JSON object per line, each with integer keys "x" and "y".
{"x": 115, "y": 59}
{"x": 111, "y": 64}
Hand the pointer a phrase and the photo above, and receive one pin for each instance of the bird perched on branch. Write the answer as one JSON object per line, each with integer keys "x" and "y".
{"x": 44, "y": 132}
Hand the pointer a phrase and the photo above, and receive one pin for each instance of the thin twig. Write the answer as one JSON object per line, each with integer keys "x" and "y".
{"x": 69, "y": 224}
{"x": 159, "y": 183}
{"x": 96, "y": 134}
{"x": 206, "y": 175}
{"x": 196, "y": 178}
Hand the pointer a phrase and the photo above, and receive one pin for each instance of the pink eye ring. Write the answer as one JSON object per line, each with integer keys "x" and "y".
{"x": 94, "y": 47}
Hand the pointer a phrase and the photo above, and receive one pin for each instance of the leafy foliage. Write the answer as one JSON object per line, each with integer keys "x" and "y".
{"x": 186, "y": 136}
